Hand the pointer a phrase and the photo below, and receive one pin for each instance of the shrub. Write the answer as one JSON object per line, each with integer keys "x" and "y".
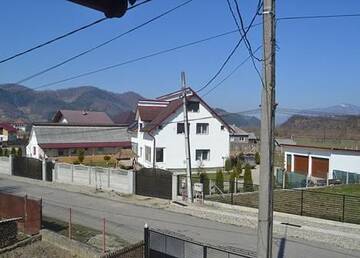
{"x": 232, "y": 181}
{"x": 107, "y": 158}
{"x": 13, "y": 151}
{"x": 219, "y": 180}
{"x": 81, "y": 155}
{"x": 238, "y": 169}
{"x": 248, "y": 183}
{"x": 19, "y": 152}
{"x": 257, "y": 158}
{"x": 228, "y": 165}
{"x": 6, "y": 152}
{"x": 204, "y": 179}
{"x": 1, "y": 152}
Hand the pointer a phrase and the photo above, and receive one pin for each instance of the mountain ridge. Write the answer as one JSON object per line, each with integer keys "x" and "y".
{"x": 17, "y": 101}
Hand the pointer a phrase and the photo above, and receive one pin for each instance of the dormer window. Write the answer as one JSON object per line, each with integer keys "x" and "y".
{"x": 193, "y": 106}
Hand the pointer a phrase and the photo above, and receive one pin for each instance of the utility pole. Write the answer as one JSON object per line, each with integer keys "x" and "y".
{"x": 187, "y": 141}
{"x": 265, "y": 217}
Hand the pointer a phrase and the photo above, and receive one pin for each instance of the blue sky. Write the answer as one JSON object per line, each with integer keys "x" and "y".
{"x": 317, "y": 61}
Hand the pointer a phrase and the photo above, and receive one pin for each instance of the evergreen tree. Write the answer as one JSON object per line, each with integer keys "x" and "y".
{"x": 248, "y": 183}
{"x": 6, "y": 153}
{"x": 257, "y": 158}
{"x": 13, "y": 151}
{"x": 19, "y": 152}
{"x": 204, "y": 179}
{"x": 219, "y": 180}
{"x": 1, "y": 152}
{"x": 238, "y": 169}
{"x": 228, "y": 165}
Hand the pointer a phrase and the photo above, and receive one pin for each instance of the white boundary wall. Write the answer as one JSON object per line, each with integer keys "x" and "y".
{"x": 5, "y": 165}
{"x": 119, "y": 180}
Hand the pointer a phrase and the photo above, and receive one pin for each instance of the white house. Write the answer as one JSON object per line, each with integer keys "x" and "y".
{"x": 49, "y": 140}
{"x": 327, "y": 163}
{"x": 160, "y": 138}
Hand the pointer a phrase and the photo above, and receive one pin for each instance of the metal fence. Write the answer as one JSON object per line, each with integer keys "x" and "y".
{"x": 163, "y": 244}
{"x": 212, "y": 188}
{"x": 346, "y": 177}
{"x": 28, "y": 209}
{"x": 288, "y": 180}
{"x": 312, "y": 203}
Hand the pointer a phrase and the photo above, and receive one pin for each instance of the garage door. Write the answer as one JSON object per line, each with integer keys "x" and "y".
{"x": 301, "y": 164}
{"x": 320, "y": 167}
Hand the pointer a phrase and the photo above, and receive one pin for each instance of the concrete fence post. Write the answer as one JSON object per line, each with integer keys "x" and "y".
{"x": 174, "y": 187}
{"x": 109, "y": 177}
{"x": 11, "y": 164}
{"x": 43, "y": 170}
{"x": 72, "y": 173}
{"x": 89, "y": 171}
{"x": 131, "y": 181}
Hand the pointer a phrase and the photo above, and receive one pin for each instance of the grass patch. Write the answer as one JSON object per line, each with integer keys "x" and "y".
{"x": 353, "y": 189}
{"x": 79, "y": 233}
{"x": 83, "y": 234}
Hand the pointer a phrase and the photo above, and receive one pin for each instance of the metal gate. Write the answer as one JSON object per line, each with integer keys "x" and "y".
{"x": 166, "y": 244}
{"x": 27, "y": 167}
{"x": 154, "y": 183}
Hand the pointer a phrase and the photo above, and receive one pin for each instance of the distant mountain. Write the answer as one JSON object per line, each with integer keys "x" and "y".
{"x": 342, "y": 109}
{"x": 336, "y": 110}
{"x": 330, "y": 127}
{"x": 239, "y": 120}
{"x": 17, "y": 101}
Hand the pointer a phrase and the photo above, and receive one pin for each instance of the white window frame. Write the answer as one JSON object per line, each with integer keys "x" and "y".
{"x": 201, "y": 128}
{"x": 202, "y": 151}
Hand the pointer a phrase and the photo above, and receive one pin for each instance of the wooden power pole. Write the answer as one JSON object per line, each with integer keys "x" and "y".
{"x": 265, "y": 217}
{"x": 187, "y": 141}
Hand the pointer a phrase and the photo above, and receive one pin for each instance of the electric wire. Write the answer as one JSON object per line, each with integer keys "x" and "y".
{"x": 62, "y": 36}
{"x": 102, "y": 44}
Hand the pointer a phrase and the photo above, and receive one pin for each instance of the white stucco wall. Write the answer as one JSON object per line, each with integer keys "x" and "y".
{"x": 348, "y": 161}
{"x": 345, "y": 162}
{"x": 34, "y": 143}
{"x": 217, "y": 141}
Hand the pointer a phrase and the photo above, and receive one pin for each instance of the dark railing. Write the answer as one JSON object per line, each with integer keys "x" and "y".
{"x": 304, "y": 202}
{"x": 168, "y": 245}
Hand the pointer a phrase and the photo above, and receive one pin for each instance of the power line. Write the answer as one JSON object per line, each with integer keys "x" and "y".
{"x": 183, "y": 46}
{"x": 102, "y": 44}
{"x": 231, "y": 53}
{"x": 231, "y": 73}
{"x": 61, "y": 36}
{"x": 328, "y": 16}
{"x": 242, "y": 33}
{"x": 139, "y": 58}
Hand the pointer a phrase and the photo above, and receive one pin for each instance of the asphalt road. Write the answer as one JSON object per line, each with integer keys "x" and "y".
{"x": 127, "y": 221}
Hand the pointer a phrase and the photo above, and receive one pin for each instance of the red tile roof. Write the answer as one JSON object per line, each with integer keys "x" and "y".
{"x": 83, "y": 117}
{"x": 157, "y": 115}
{"x": 166, "y": 112}
{"x": 85, "y": 145}
{"x": 8, "y": 127}
{"x": 149, "y": 113}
